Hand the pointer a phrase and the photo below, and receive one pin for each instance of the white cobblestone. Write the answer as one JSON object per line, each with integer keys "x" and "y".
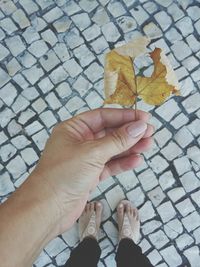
{"x": 53, "y": 101}
{"x": 110, "y": 32}
{"x": 6, "y": 186}
{"x": 173, "y": 228}
{"x": 61, "y": 51}
{"x": 82, "y": 20}
{"x": 73, "y": 38}
{"x": 150, "y": 227}
{"x": 84, "y": 55}
{"x": 154, "y": 257}
{"x": 163, "y": 20}
{"x": 16, "y": 167}
{"x": 181, "y": 50}
{"x": 30, "y": 35}
{"x": 82, "y": 85}
{"x": 193, "y": 256}
{"x": 58, "y": 75}
{"x": 185, "y": 207}
{"x": 8, "y": 25}
{"x": 7, "y": 152}
{"x": 190, "y": 181}
{"x": 62, "y": 24}
{"x": 21, "y": 103}
{"x": 63, "y": 89}
{"x": 8, "y": 94}
{"x": 158, "y": 239}
{"x": 74, "y": 104}
{"x": 29, "y": 156}
{"x": 158, "y": 168}
{"x": 100, "y": 17}
{"x": 20, "y": 18}
{"x": 20, "y": 141}
{"x": 176, "y": 193}
{"x": 196, "y": 235}
{"x": 156, "y": 196}
{"x": 72, "y": 67}
{"x": 179, "y": 121}
{"x": 171, "y": 256}
{"x": 53, "y": 14}
{"x": 146, "y": 212}
{"x": 183, "y": 241}
{"x": 40, "y": 139}
{"x": 49, "y": 37}
{"x": 196, "y": 197}
{"x": 3, "y": 52}
{"x": 126, "y": 23}
{"x": 166, "y": 211}
{"x": 48, "y": 118}
{"x": 148, "y": 179}
{"x": 15, "y": 45}
{"x": 152, "y": 31}
{"x": 191, "y": 222}
{"x": 33, "y": 74}
{"x": 175, "y": 12}
{"x": 55, "y": 246}
{"x": 136, "y": 196}
{"x": 33, "y": 128}
{"x": 114, "y": 196}
{"x": 92, "y": 32}
{"x": 171, "y": 151}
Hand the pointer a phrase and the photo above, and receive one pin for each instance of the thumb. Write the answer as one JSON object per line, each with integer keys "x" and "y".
{"x": 121, "y": 139}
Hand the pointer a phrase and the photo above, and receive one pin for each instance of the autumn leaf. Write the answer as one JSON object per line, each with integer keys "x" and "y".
{"x": 123, "y": 87}
{"x": 119, "y": 76}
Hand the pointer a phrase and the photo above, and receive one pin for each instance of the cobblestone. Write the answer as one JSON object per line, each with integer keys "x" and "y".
{"x": 52, "y": 53}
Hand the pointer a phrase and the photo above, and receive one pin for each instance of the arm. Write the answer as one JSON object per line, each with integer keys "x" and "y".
{"x": 79, "y": 154}
{"x": 28, "y": 221}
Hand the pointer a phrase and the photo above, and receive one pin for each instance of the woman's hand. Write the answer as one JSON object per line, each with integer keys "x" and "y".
{"x": 86, "y": 149}
{"x": 79, "y": 154}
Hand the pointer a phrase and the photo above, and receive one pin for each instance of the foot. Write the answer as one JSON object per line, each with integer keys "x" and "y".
{"x": 90, "y": 220}
{"x": 128, "y": 221}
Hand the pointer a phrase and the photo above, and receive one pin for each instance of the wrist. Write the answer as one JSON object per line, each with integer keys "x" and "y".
{"x": 36, "y": 195}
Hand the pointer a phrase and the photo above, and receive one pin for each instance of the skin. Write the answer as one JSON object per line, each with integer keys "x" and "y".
{"x": 79, "y": 154}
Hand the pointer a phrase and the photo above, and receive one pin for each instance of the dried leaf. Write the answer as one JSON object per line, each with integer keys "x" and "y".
{"x": 123, "y": 87}
{"x": 119, "y": 77}
{"x": 154, "y": 90}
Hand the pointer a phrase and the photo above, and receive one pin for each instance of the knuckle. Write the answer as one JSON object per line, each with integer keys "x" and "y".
{"x": 56, "y": 127}
{"x": 119, "y": 140}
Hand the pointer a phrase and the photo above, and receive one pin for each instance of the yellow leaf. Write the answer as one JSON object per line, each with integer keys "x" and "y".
{"x": 123, "y": 87}
{"x": 119, "y": 77}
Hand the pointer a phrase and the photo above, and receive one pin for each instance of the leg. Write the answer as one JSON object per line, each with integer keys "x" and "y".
{"x": 87, "y": 253}
{"x": 128, "y": 252}
{"x": 129, "y": 255}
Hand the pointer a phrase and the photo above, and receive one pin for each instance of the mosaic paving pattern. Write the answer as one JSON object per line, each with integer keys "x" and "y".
{"x": 51, "y": 67}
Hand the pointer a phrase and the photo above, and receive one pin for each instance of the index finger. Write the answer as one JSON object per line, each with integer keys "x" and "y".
{"x": 101, "y": 118}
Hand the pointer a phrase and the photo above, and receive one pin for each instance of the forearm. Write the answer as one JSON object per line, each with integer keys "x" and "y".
{"x": 27, "y": 223}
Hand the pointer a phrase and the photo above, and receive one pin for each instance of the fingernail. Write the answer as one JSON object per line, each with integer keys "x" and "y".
{"x": 136, "y": 128}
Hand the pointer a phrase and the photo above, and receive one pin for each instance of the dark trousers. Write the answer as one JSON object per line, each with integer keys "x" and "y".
{"x": 88, "y": 252}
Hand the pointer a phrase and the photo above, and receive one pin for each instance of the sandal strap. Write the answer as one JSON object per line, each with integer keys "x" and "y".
{"x": 91, "y": 229}
{"x": 126, "y": 228}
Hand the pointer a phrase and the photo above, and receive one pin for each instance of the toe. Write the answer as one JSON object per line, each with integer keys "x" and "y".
{"x": 120, "y": 209}
{"x": 128, "y": 209}
{"x": 98, "y": 207}
{"x": 92, "y": 206}
{"x": 87, "y": 207}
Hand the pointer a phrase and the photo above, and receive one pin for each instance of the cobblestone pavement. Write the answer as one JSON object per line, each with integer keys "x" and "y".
{"x": 51, "y": 55}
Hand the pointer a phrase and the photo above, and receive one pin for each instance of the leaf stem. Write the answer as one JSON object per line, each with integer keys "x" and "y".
{"x": 136, "y": 107}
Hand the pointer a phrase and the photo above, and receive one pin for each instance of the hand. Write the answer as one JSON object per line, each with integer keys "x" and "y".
{"x": 86, "y": 149}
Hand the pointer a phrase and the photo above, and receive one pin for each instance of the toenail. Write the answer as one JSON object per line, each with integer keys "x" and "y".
{"x": 99, "y": 204}
{"x": 121, "y": 206}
